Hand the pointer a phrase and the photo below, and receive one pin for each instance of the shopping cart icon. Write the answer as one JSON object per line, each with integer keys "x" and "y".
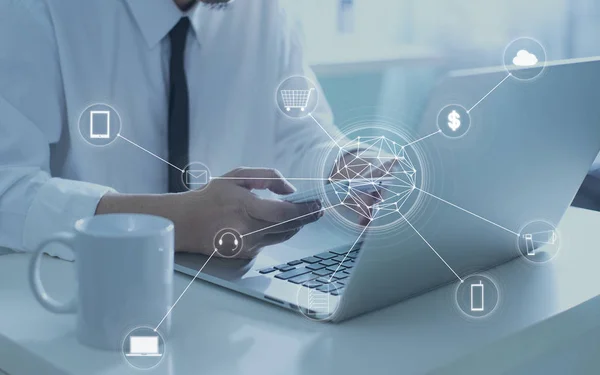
{"x": 297, "y": 99}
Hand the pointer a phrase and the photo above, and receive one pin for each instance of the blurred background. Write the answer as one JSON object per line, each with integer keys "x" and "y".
{"x": 389, "y": 53}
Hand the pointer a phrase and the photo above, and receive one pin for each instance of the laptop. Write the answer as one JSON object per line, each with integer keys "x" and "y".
{"x": 143, "y": 346}
{"x": 529, "y": 147}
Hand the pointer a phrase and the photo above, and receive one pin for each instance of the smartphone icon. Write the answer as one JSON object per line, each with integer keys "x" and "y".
{"x": 529, "y": 244}
{"x": 477, "y": 295}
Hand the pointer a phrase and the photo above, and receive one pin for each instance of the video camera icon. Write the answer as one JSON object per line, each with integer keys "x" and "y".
{"x": 533, "y": 240}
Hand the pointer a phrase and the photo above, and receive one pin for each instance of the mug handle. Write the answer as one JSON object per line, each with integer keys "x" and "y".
{"x": 65, "y": 238}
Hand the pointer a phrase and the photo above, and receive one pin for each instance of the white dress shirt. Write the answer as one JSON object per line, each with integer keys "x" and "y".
{"x": 58, "y": 57}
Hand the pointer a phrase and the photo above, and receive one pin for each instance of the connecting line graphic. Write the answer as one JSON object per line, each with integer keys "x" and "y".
{"x": 156, "y": 156}
{"x": 270, "y": 178}
{"x": 469, "y": 212}
{"x": 491, "y": 91}
{"x": 431, "y": 247}
{"x": 321, "y": 126}
{"x": 213, "y": 253}
{"x": 185, "y": 290}
{"x": 349, "y": 250}
{"x": 420, "y": 139}
{"x": 290, "y": 220}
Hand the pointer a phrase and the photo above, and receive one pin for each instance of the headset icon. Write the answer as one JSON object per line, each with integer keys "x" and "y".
{"x": 235, "y": 240}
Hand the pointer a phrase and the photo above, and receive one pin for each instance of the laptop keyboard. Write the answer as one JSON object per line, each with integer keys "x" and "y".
{"x": 316, "y": 271}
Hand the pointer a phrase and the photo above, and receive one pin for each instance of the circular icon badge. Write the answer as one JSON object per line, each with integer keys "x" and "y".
{"x": 538, "y": 242}
{"x": 525, "y": 58}
{"x": 99, "y": 124}
{"x": 477, "y": 296}
{"x": 195, "y": 176}
{"x": 318, "y": 299}
{"x": 297, "y": 97}
{"x": 228, "y": 243}
{"x": 143, "y": 348}
{"x": 375, "y": 178}
{"x": 454, "y": 121}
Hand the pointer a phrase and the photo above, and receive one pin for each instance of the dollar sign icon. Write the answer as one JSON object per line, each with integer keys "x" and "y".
{"x": 454, "y": 120}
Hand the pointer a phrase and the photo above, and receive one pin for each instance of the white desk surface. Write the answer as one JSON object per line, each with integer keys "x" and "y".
{"x": 346, "y": 54}
{"x": 567, "y": 343}
{"x": 216, "y": 331}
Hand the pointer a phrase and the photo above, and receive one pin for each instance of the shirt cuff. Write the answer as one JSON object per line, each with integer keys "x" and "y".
{"x": 56, "y": 207}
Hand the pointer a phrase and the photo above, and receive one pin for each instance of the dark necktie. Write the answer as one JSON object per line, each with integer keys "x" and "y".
{"x": 179, "y": 107}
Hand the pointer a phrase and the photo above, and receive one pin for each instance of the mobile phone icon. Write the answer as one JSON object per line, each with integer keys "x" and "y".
{"x": 477, "y": 296}
{"x": 529, "y": 244}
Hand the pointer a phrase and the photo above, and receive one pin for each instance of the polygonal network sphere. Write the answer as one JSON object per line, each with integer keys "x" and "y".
{"x": 377, "y": 178}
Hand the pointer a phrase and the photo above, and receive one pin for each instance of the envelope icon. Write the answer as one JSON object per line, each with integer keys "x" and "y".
{"x": 196, "y": 177}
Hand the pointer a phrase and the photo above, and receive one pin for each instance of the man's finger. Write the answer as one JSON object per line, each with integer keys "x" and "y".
{"x": 276, "y": 211}
{"x": 264, "y": 228}
{"x": 261, "y": 178}
{"x": 384, "y": 169}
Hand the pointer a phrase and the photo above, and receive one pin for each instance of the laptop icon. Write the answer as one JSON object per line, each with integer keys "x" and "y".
{"x": 143, "y": 346}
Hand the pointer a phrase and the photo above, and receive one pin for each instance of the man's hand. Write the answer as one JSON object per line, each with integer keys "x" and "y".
{"x": 226, "y": 203}
{"x": 229, "y": 203}
{"x": 362, "y": 170}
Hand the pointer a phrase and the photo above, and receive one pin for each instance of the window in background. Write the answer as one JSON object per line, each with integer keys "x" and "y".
{"x": 468, "y": 33}
{"x": 584, "y": 28}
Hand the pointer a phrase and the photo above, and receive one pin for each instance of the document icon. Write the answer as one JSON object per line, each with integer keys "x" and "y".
{"x": 196, "y": 177}
{"x": 318, "y": 301}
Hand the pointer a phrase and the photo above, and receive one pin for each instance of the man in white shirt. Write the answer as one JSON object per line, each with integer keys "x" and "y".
{"x": 161, "y": 64}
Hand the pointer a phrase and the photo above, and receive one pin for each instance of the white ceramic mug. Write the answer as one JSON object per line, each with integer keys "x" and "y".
{"x": 124, "y": 271}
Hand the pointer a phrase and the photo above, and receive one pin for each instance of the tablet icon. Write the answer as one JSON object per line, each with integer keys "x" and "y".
{"x": 99, "y": 124}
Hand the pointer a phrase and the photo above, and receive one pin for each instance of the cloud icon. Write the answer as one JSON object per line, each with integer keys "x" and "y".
{"x": 525, "y": 58}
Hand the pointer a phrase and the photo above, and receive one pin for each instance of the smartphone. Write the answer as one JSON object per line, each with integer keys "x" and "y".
{"x": 330, "y": 190}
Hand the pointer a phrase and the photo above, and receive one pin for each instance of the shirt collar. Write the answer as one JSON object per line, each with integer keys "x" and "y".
{"x": 156, "y": 18}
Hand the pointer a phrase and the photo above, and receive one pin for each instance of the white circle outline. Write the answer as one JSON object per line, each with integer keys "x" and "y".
{"x": 236, "y": 234}
{"x": 336, "y": 148}
{"x": 331, "y": 314}
{"x": 553, "y": 255}
{"x": 480, "y": 317}
{"x": 208, "y": 178}
{"x": 511, "y": 73}
{"x": 161, "y": 357}
{"x": 306, "y": 113}
{"x": 112, "y": 109}
{"x": 405, "y": 137}
{"x": 437, "y": 122}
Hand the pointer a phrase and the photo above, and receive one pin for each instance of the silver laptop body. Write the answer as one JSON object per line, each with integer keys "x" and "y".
{"x": 528, "y": 149}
